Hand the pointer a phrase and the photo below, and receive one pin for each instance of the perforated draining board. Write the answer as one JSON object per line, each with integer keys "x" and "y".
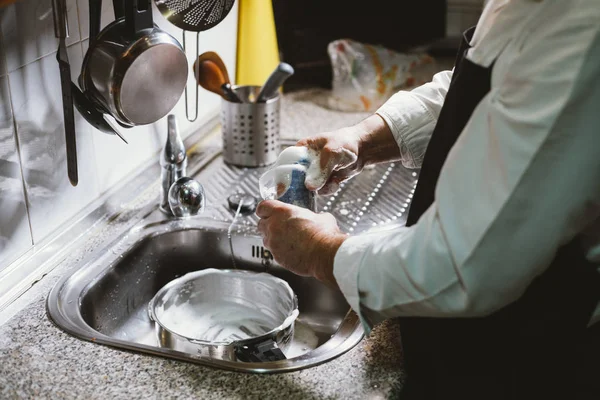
{"x": 377, "y": 197}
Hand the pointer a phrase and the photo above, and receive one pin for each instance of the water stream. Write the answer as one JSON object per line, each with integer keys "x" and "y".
{"x": 237, "y": 214}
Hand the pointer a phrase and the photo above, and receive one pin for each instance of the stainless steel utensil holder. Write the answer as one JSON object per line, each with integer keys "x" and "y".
{"x": 250, "y": 130}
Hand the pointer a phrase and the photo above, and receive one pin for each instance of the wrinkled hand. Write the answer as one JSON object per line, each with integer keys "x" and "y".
{"x": 344, "y": 153}
{"x": 300, "y": 240}
{"x": 338, "y": 160}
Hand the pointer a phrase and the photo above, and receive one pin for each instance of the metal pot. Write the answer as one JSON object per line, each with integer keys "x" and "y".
{"x": 230, "y": 315}
{"x": 134, "y": 70}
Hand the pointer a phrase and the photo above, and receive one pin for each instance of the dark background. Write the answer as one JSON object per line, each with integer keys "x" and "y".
{"x": 306, "y": 27}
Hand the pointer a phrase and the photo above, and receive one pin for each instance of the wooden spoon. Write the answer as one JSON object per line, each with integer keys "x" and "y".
{"x": 212, "y": 76}
{"x": 214, "y": 57}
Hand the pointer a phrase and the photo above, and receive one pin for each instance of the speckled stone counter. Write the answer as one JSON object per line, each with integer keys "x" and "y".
{"x": 39, "y": 361}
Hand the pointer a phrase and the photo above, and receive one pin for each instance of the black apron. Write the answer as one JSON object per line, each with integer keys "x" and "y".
{"x": 538, "y": 347}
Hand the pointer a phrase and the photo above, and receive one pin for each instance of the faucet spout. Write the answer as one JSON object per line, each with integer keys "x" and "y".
{"x": 173, "y": 162}
{"x": 174, "y": 150}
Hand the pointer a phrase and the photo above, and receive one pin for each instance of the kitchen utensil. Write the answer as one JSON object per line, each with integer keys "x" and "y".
{"x": 186, "y": 197}
{"x": 118, "y": 9}
{"x": 195, "y": 16}
{"x": 274, "y": 82}
{"x": 214, "y": 58}
{"x": 93, "y": 114}
{"x": 95, "y": 7}
{"x": 61, "y": 32}
{"x": 231, "y": 315}
{"x": 211, "y": 78}
{"x": 229, "y": 93}
{"x": 250, "y": 130}
{"x": 134, "y": 70}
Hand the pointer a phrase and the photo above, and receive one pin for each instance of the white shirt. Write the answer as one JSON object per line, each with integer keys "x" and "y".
{"x": 522, "y": 179}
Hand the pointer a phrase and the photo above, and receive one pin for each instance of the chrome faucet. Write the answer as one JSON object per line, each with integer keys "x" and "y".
{"x": 181, "y": 195}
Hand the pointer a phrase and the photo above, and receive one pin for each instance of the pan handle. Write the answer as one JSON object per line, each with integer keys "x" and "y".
{"x": 259, "y": 352}
{"x": 95, "y": 7}
{"x": 119, "y": 9}
{"x": 138, "y": 16}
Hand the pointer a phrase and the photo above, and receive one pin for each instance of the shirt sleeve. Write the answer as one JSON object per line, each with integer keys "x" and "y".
{"x": 521, "y": 181}
{"x": 412, "y": 115}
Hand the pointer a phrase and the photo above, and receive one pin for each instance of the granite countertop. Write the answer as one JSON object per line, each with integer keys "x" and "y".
{"x": 38, "y": 360}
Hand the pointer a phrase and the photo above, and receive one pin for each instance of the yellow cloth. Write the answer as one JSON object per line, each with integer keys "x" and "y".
{"x": 257, "y": 48}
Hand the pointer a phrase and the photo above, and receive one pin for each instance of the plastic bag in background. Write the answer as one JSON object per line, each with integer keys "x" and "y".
{"x": 365, "y": 76}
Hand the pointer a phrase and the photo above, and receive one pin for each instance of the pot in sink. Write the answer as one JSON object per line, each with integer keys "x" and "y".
{"x": 230, "y": 315}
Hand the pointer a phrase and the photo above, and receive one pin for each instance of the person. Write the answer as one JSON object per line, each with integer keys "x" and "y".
{"x": 494, "y": 279}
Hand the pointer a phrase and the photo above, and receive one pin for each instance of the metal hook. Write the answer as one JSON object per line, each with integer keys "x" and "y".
{"x": 197, "y": 72}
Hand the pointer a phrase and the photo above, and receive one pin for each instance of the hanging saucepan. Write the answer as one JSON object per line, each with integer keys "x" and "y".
{"x": 133, "y": 70}
{"x": 230, "y": 315}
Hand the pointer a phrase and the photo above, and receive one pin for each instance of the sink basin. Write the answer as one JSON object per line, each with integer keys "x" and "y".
{"x": 105, "y": 300}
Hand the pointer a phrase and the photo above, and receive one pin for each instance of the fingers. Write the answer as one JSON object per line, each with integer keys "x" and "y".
{"x": 321, "y": 169}
{"x": 262, "y": 226}
{"x": 330, "y": 160}
{"x": 327, "y": 161}
{"x": 314, "y": 143}
{"x": 266, "y": 208}
{"x": 328, "y": 188}
{"x": 333, "y": 184}
{"x": 263, "y": 229}
{"x": 332, "y": 155}
{"x": 276, "y": 212}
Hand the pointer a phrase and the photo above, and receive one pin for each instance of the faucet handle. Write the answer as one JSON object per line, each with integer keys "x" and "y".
{"x": 186, "y": 197}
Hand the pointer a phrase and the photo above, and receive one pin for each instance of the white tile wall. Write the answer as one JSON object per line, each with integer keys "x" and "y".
{"x": 15, "y": 236}
{"x": 37, "y": 107}
{"x": 35, "y": 92}
{"x": 28, "y": 29}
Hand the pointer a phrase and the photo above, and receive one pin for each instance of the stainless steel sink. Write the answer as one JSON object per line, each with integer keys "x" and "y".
{"x": 105, "y": 300}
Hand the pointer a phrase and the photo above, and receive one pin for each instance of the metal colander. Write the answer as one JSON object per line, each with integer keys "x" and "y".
{"x": 195, "y": 15}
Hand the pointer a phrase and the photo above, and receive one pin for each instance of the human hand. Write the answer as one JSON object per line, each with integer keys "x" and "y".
{"x": 343, "y": 153}
{"x": 300, "y": 240}
{"x": 337, "y": 159}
